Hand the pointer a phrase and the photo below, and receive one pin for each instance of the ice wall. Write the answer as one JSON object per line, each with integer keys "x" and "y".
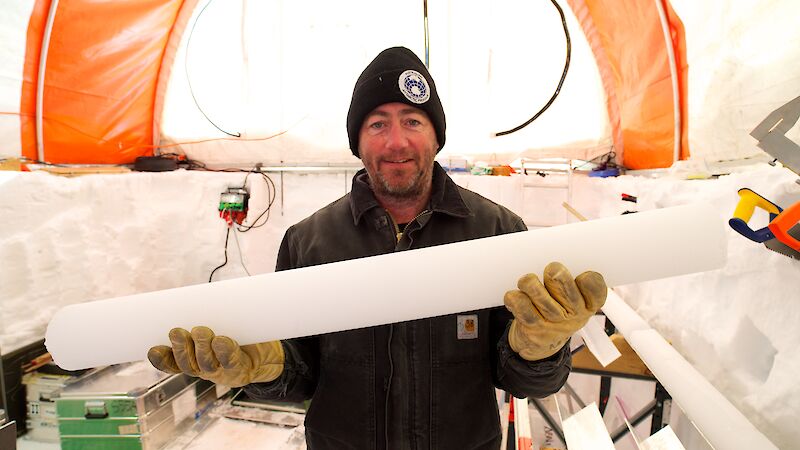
{"x": 66, "y": 240}
{"x": 737, "y": 325}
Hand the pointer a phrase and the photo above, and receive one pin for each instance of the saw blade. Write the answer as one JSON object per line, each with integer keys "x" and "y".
{"x": 777, "y": 246}
{"x": 771, "y": 135}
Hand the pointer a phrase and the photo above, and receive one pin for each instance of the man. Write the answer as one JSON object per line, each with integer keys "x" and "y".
{"x": 426, "y": 383}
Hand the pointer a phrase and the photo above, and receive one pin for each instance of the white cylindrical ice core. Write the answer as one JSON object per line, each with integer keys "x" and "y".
{"x": 389, "y": 288}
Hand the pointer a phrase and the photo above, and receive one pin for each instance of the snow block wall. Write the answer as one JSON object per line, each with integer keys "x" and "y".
{"x": 68, "y": 240}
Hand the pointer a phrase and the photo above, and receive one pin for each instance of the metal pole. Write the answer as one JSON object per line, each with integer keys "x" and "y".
{"x": 427, "y": 34}
{"x": 574, "y": 395}
{"x": 673, "y": 70}
{"x": 48, "y": 29}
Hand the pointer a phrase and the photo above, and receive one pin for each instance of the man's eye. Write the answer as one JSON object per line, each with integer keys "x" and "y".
{"x": 376, "y": 125}
{"x": 414, "y": 122}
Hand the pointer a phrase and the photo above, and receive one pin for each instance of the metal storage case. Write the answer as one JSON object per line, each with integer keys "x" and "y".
{"x": 129, "y": 406}
{"x": 41, "y": 422}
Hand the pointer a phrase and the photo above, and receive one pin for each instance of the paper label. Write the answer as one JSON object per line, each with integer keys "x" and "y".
{"x": 585, "y": 430}
{"x": 598, "y": 342}
{"x": 467, "y": 326}
{"x": 132, "y": 428}
{"x": 664, "y": 439}
{"x": 48, "y": 411}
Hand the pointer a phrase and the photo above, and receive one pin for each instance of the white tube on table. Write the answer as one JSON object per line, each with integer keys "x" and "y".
{"x": 389, "y": 288}
{"x": 715, "y": 417}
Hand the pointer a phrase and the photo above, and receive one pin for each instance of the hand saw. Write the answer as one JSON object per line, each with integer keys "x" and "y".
{"x": 782, "y": 235}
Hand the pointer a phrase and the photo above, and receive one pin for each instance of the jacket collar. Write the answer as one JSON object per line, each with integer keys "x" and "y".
{"x": 445, "y": 197}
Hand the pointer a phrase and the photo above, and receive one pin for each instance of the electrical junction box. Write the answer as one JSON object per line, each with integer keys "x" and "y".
{"x": 234, "y": 199}
{"x": 233, "y": 205}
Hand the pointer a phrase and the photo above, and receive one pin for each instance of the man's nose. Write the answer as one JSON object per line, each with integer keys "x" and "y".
{"x": 396, "y": 137}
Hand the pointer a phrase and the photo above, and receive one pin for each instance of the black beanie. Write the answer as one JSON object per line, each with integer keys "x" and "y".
{"x": 395, "y": 75}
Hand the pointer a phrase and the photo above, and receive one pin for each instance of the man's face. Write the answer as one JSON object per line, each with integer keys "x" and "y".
{"x": 397, "y": 144}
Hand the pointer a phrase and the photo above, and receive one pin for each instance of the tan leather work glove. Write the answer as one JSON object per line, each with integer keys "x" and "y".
{"x": 218, "y": 358}
{"x": 545, "y": 316}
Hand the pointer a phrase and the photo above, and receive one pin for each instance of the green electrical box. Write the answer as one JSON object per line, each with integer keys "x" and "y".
{"x": 234, "y": 199}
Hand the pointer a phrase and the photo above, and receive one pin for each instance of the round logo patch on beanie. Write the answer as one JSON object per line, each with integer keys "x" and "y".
{"x": 414, "y": 86}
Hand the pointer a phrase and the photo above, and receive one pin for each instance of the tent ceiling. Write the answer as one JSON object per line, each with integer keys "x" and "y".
{"x": 116, "y": 76}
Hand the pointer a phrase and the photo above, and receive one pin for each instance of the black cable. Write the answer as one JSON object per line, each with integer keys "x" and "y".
{"x": 603, "y": 161}
{"x": 271, "y": 195}
{"x": 186, "y": 163}
{"x": 560, "y": 82}
{"x": 227, "y": 235}
{"x": 189, "y": 81}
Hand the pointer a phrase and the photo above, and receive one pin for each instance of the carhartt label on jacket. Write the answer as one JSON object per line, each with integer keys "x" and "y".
{"x": 467, "y": 327}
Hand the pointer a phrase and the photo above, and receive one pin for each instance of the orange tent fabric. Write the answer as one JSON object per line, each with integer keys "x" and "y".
{"x": 101, "y": 73}
{"x": 628, "y": 42}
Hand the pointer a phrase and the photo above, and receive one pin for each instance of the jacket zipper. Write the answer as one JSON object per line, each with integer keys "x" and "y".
{"x": 399, "y": 234}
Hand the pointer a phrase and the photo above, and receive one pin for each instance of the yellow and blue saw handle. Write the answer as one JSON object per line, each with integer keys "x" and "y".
{"x": 748, "y": 201}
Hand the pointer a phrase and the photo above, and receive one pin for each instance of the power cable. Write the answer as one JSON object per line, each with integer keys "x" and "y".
{"x": 189, "y": 81}
{"x": 560, "y": 82}
{"x": 238, "y": 247}
{"x": 271, "y": 195}
{"x": 227, "y": 235}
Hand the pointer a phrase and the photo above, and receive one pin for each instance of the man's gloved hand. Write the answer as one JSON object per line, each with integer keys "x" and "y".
{"x": 218, "y": 358}
{"x": 545, "y": 316}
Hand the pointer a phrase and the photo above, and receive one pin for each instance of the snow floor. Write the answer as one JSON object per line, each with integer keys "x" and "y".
{"x": 68, "y": 240}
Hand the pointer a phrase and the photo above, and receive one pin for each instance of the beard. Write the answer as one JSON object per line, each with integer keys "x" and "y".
{"x": 413, "y": 187}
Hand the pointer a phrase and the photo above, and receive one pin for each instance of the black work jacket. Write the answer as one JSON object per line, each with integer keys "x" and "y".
{"x": 423, "y": 384}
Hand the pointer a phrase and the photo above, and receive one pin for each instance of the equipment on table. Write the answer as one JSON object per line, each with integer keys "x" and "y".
{"x": 242, "y": 407}
{"x": 130, "y": 406}
{"x": 40, "y": 385}
{"x": 771, "y": 135}
{"x": 242, "y": 399}
{"x": 781, "y": 235}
